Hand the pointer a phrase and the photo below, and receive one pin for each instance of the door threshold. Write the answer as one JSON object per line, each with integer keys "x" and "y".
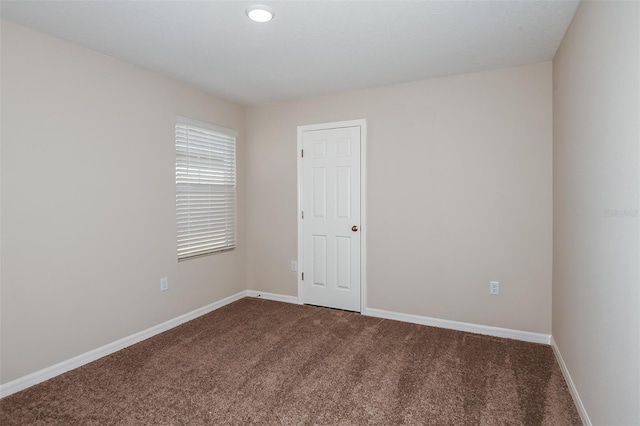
{"x": 335, "y": 309}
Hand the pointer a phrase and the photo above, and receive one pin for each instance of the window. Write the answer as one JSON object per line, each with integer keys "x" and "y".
{"x": 205, "y": 188}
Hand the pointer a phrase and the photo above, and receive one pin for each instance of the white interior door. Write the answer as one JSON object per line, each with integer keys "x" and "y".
{"x": 331, "y": 219}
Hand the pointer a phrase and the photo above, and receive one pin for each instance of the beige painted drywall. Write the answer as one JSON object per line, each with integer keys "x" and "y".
{"x": 459, "y": 194}
{"x": 596, "y": 283}
{"x": 88, "y": 202}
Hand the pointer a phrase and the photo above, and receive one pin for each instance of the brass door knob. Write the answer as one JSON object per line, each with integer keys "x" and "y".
{"x": 354, "y": 228}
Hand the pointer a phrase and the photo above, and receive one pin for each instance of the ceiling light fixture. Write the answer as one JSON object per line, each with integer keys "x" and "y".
{"x": 260, "y": 13}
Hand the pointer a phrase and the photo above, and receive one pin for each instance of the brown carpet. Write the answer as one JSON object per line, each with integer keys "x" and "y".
{"x": 258, "y": 361}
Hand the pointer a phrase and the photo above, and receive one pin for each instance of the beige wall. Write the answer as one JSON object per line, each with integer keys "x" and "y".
{"x": 596, "y": 283}
{"x": 459, "y": 193}
{"x": 88, "y": 216}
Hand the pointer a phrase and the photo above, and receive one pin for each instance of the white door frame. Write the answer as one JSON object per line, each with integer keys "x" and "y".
{"x": 363, "y": 196}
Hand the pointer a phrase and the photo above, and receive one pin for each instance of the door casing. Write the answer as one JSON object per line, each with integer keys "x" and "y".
{"x": 362, "y": 123}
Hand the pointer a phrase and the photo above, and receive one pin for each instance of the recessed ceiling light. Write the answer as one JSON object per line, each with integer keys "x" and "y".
{"x": 259, "y": 13}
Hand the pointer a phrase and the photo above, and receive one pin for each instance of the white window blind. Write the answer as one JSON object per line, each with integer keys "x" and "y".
{"x": 205, "y": 188}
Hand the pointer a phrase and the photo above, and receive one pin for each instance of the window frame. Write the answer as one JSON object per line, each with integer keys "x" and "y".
{"x": 184, "y": 196}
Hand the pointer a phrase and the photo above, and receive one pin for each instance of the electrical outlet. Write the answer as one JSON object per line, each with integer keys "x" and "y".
{"x": 494, "y": 287}
{"x": 164, "y": 284}
{"x": 294, "y": 266}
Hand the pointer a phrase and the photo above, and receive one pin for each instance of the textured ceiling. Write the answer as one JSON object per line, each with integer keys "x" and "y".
{"x": 310, "y": 47}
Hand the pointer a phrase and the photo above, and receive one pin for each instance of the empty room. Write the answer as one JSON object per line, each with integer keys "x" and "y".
{"x": 320, "y": 212}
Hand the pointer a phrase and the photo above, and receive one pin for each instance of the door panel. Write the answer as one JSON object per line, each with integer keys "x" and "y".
{"x": 319, "y": 258}
{"x": 319, "y": 192}
{"x": 331, "y": 199}
{"x": 343, "y": 257}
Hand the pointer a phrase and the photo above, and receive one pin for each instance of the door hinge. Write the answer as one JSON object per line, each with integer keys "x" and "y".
{"x": 302, "y": 215}
{"x": 302, "y": 153}
{"x": 303, "y": 276}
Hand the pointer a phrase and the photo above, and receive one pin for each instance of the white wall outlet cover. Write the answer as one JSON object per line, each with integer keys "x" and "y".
{"x": 294, "y": 266}
{"x": 164, "y": 284}
{"x": 494, "y": 287}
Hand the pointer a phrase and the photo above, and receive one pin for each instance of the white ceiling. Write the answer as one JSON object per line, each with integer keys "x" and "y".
{"x": 310, "y": 47}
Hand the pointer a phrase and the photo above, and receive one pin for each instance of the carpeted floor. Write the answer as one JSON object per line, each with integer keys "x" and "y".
{"x": 258, "y": 361}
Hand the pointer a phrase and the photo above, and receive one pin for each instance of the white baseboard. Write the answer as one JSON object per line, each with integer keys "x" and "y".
{"x": 273, "y": 296}
{"x": 508, "y": 333}
{"x": 80, "y": 360}
{"x": 572, "y": 387}
{"x": 87, "y": 357}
